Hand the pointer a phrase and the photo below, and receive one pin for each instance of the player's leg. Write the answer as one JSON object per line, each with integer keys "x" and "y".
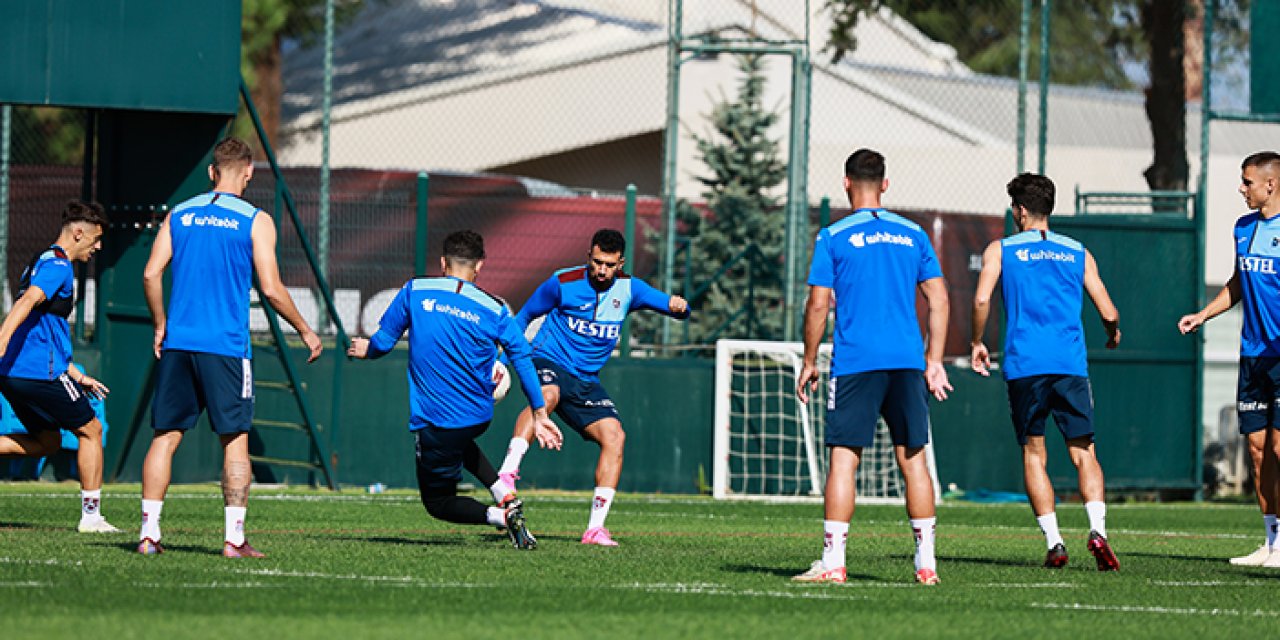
{"x": 1268, "y": 487}
{"x": 853, "y": 403}
{"x": 42, "y": 437}
{"x": 1254, "y": 400}
{"x": 478, "y": 465}
{"x": 89, "y": 460}
{"x": 439, "y": 456}
{"x": 1029, "y": 410}
{"x": 1071, "y": 403}
{"x": 27, "y": 445}
{"x": 608, "y": 433}
{"x": 175, "y": 406}
{"x": 549, "y": 374}
{"x": 227, "y": 386}
{"x": 906, "y": 412}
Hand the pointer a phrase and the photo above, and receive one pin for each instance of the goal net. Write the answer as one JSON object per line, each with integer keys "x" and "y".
{"x": 769, "y": 446}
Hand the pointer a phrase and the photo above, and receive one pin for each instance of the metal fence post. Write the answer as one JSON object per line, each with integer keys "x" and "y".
{"x": 420, "y": 237}
{"x": 629, "y": 229}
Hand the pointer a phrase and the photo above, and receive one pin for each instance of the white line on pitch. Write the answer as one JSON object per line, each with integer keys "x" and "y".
{"x": 1076, "y": 606}
{"x": 29, "y": 583}
{"x": 51, "y": 562}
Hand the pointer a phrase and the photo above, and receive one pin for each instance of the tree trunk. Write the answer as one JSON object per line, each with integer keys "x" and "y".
{"x": 268, "y": 91}
{"x": 1166, "y": 106}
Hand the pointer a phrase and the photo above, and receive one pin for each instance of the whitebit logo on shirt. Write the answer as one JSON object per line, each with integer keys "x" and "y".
{"x": 1027, "y": 255}
{"x": 594, "y": 330}
{"x": 1258, "y": 265}
{"x": 860, "y": 240}
{"x": 189, "y": 219}
{"x": 429, "y": 305}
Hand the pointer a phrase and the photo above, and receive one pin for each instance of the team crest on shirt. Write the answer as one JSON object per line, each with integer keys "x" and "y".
{"x": 617, "y": 303}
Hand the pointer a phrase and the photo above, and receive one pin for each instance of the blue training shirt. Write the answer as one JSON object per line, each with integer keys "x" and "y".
{"x": 212, "y": 275}
{"x": 1257, "y": 241}
{"x": 454, "y": 328}
{"x": 583, "y": 325}
{"x": 873, "y": 259}
{"x": 40, "y": 348}
{"x": 1042, "y": 281}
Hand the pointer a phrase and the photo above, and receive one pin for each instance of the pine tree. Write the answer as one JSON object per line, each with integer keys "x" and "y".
{"x": 740, "y": 214}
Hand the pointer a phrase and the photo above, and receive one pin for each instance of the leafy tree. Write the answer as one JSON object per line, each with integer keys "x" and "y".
{"x": 1092, "y": 41}
{"x": 47, "y": 135}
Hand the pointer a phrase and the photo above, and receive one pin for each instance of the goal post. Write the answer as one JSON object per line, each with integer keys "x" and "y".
{"x": 769, "y": 446}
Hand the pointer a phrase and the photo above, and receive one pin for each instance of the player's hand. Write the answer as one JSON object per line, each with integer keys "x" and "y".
{"x": 546, "y": 431}
{"x": 980, "y": 360}
{"x": 94, "y": 387}
{"x": 313, "y": 343}
{"x": 1114, "y": 340}
{"x": 807, "y": 382}
{"x": 935, "y": 377}
{"x": 678, "y": 305}
{"x": 157, "y": 342}
{"x": 359, "y": 348}
{"x": 1190, "y": 322}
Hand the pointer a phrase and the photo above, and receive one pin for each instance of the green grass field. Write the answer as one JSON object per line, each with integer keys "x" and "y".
{"x": 354, "y": 566}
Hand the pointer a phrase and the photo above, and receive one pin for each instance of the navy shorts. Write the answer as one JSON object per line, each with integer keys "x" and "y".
{"x": 1068, "y": 398}
{"x": 439, "y": 454}
{"x": 581, "y": 402}
{"x": 47, "y": 404}
{"x": 856, "y": 401}
{"x": 188, "y": 382}
{"x": 1257, "y": 389}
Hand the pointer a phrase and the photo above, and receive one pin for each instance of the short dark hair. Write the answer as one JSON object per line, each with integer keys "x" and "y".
{"x": 864, "y": 165}
{"x": 609, "y": 241}
{"x": 1269, "y": 159}
{"x": 464, "y": 247}
{"x": 78, "y": 211}
{"x": 231, "y": 151}
{"x": 1034, "y": 192}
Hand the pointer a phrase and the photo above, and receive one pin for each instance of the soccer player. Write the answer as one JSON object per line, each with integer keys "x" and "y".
{"x": 1043, "y": 276}
{"x": 455, "y": 328}
{"x": 870, "y": 264}
{"x": 46, "y": 391}
{"x": 585, "y": 307}
{"x": 1256, "y": 282}
{"x": 216, "y": 243}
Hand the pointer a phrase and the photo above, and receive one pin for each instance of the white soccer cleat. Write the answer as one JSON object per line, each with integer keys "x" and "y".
{"x": 1272, "y": 561}
{"x": 99, "y": 525}
{"x": 1256, "y": 559}
{"x": 817, "y": 573}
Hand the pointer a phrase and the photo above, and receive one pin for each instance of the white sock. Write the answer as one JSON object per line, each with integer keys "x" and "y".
{"x": 151, "y": 519}
{"x": 600, "y": 507}
{"x": 235, "y": 524}
{"x": 834, "y": 536}
{"x": 1269, "y": 521}
{"x": 1097, "y": 516}
{"x": 499, "y": 490}
{"x": 515, "y": 453}
{"x": 92, "y": 501}
{"x": 924, "y": 529}
{"x": 1049, "y": 525}
{"x": 497, "y": 517}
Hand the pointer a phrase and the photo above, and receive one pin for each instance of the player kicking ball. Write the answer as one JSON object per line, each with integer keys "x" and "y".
{"x": 585, "y": 307}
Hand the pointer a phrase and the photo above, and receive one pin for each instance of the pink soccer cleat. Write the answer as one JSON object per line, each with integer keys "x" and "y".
{"x": 927, "y": 576}
{"x": 245, "y": 550}
{"x": 598, "y": 536}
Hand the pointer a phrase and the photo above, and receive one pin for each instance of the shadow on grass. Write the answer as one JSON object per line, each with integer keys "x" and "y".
{"x": 132, "y": 547}
{"x": 16, "y": 525}
{"x": 440, "y": 541}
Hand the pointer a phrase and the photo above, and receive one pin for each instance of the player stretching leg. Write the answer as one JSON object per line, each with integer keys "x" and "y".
{"x": 1043, "y": 276}
{"x": 585, "y": 308}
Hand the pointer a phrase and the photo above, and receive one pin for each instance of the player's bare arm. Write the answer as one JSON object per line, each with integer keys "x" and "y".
{"x": 979, "y": 356}
{"x": 1102, "y": 301}
{"x": 264, "y": 263}
{"x": 816, "y": 308}
{"x": 153, "y": 282}
{"x": 30, "y": 299}
{"x": 1227, "y": 298}
{"x": 935, "y": 375}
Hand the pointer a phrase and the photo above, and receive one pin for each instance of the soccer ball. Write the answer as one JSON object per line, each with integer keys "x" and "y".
{"x": 501, "y": 377}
